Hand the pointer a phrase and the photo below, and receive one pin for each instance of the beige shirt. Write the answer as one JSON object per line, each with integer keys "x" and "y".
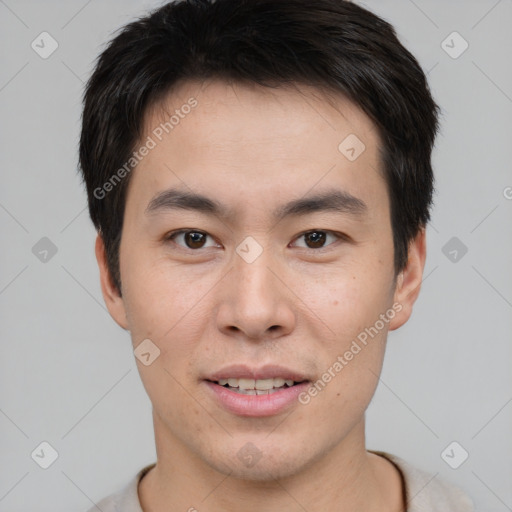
{"x": 423, "y": 492}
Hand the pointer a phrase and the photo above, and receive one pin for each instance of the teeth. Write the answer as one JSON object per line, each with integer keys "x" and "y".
{"x": 246, "y": 383}
{"x": 265, "y": 384}
{"x": 258, "y": 385}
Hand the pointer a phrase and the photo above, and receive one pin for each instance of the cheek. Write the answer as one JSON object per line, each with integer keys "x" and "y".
{"x": 354, "y": 343}
{"x": 348, "y": 305}
{"x": 159, "y": 293}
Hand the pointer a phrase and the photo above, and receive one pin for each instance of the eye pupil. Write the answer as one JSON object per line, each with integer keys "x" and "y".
{"x": 317, "y": 238}
{"x": 194, "y": 238}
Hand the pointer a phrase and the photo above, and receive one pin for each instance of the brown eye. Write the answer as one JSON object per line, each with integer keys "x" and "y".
{"x": 192, "y": 239}
{"x": 317, "y": 238}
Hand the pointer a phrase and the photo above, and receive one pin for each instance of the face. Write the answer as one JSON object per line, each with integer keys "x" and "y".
{"x": 281, "y": 271}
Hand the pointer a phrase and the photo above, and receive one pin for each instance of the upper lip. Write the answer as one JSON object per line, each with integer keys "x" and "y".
{"x": 240, "y": 371}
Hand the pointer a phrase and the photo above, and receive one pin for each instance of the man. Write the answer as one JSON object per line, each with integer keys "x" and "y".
{"x": 259, "y": 175}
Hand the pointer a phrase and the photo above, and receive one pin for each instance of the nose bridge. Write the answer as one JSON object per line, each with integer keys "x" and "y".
{"x": 252, "y": 277}
{"x": 255, "y": 301}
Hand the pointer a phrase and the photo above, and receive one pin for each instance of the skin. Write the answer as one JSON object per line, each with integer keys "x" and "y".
{"x": 253, "y": 149}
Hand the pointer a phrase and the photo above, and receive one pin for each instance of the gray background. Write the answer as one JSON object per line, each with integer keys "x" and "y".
{"x": 67, "y": 374}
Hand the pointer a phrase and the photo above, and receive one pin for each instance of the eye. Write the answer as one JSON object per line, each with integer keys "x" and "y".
{"x": 316, "y": 238}
{"x": 193, "y": 239}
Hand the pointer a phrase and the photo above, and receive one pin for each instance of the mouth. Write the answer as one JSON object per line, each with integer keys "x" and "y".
{"x": 256, "y": 387}
{"x": 248, "y": 396}
{"x": 244, "y": 390}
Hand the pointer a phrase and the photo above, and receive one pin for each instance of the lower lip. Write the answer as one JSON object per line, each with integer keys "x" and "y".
{"x": 257, "y": 405}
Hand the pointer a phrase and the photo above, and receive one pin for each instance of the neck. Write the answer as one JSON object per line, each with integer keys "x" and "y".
{"x": 346, "y": 478}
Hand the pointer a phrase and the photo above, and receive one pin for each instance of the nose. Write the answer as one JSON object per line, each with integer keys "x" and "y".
{"x": 256, "y": 302}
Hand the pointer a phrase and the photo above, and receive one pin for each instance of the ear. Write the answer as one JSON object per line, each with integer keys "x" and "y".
{"x": 113, "y": 300}
{"x": 409, "y": 280}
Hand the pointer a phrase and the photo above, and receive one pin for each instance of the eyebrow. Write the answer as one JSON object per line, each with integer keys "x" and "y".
{"x": 330, "y": 200}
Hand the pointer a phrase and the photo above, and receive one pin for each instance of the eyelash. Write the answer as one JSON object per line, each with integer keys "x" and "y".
{"x": 340, "y": 236}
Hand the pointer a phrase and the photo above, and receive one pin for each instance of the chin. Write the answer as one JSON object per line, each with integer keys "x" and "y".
{"x": 267, "y": 464}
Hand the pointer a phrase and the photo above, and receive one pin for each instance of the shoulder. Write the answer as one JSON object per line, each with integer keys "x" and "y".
{"x": 126, "y": 499}
{"x": 425, "y": 492}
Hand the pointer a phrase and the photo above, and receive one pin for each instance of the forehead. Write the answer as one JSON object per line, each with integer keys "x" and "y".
{"x": 240, "y": 142}
{"x": 264, "y": 113}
